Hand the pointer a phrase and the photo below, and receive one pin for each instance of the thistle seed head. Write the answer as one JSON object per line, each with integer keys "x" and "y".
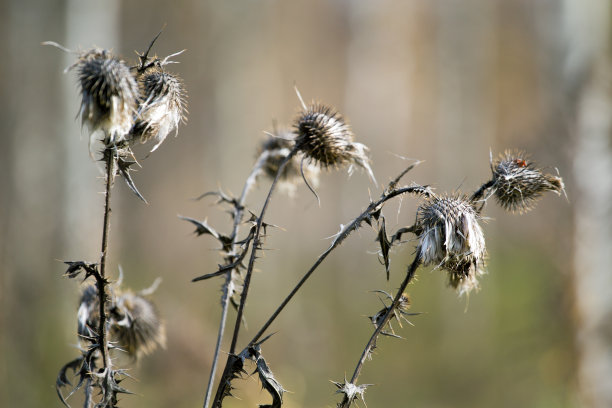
{"x": 519, "y": 183}
{"x": 162, "y": 105}
{"x": 276, "y": 149}
{"x": 451, "y": 238}
{"x": 136, "y": 326}
{"x": 325, "y": 138}
{"x": 109, "y": 94}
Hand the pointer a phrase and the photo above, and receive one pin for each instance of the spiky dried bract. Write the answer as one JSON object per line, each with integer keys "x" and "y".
{"x": 277, "y": 148}
{"x": 134, "y": 322}
{"x": 324, "y": 137}
{"x": 518, "y": 183}
{"x": 136, "y": 326}
{"x": 109, "y": 94}
{"x": 451, "y": 238}
{"x": 162, "y": 105}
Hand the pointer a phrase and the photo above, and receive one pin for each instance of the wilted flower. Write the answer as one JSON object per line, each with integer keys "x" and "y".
{"x": 518, "y": 184}
{"x": 324, "y": 137}
{"x": 162, "y": 105}
{"x": 109, "y": 94}
{"x": 136, "y": 326}
{"x": 133, "y": 321}
{"x": 276, "y": 149}
{"x": 451, "y": 239}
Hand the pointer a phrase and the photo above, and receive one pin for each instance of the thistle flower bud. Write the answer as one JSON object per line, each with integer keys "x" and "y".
{"x": 451, "y": 238}
{"x": 162, "y": 105}
{"x": 276, "y": 149}
{"x": 136, "y": 326}
{"x": 109, "y": 93}
{"x": 324, "y": 137}
{"x": 518, "y": 184}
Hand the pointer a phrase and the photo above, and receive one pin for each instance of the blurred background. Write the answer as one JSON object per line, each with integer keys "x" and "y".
{"x": 442, "y": 81}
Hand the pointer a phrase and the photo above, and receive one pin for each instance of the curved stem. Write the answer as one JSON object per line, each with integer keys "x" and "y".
{"x": 101, "y": 279}
{"x": 227, "y": 289}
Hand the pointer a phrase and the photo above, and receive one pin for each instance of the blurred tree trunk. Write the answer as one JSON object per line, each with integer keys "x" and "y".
{"x": 588, "y": 68}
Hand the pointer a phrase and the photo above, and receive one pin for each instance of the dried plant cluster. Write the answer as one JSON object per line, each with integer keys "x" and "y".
{"x": 447, "y": 231}
{"x": 121, "y": 105}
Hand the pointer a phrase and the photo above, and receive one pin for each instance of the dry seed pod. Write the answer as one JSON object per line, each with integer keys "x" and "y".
{"x": 162, "y": 105}
{"x": 136, "y": 326}
{"x": 109, "y": 93}
{"x": 518, "y": 183}
{"x": 324, "y": 137}
{"x": 277, "y": 148}
{"x": 451, "y": 238}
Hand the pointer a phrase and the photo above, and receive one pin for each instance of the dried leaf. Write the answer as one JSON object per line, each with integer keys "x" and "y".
{"x": 385, "y": 244}
{"x": 124, "y": 170}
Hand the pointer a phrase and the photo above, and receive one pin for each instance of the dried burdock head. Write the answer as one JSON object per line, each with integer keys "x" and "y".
{"x": 325, "y": 138}
{"x": 276, "y": 148}
{"x": 136, "y": 326}
{"x": 109, "y": 94}
{"x": 451, "y": 238}
{"x": 162, "y": 105}
{"x": 518, "y": 183}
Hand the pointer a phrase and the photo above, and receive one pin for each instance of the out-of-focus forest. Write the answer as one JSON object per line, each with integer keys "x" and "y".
{"x": 441, "y": 81}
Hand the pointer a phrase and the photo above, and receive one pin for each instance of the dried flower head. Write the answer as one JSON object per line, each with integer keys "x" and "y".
{"x": 88, "y": 316}
{"x": 162, "y": 105}
{"x": 518, "y": 183}
{"x": 134, "y": 323}
{"x": 276, "y": 149}
{"x": 451, "y": 238}
{"x": 324, "y": 137}
{"x": 136, "y": 326}
{"x": 109, "y": 94}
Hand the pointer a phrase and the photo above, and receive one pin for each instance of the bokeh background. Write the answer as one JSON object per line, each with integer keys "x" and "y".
{"x": 442, "y": 81}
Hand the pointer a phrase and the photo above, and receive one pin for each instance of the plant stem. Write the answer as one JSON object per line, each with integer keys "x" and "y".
{"x": 101, "y": 279}
{"x": 227, "y": 289}
{"x": 224, "y": 385}
{"x": 354, "y": 225}
{"x": 390, "y": 312}
{"x": 254, "y": 248}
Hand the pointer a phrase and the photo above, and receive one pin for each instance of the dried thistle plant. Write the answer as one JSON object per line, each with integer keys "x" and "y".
{"x": 162, "y": 103}
{"x": 109, "y": 95}
{"x": 450, "y": 238}
{"x": 117, "y": 113}
{"x": 447, "y": 231}
{"x": 325, "y": 138}
{"x": 518, "y": 183}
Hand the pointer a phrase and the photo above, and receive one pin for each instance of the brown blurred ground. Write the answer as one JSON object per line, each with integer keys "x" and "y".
{"x": 441, "y": 81}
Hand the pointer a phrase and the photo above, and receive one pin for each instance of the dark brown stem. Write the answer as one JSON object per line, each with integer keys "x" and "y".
{"x": 354, "y": 225}
{"x": 390, "y": 313}
{"x": 101, "y": 279}
{"x": 254, "y": 248}
{"x": 224, "y": 385}
{"x": 227, "y": 292}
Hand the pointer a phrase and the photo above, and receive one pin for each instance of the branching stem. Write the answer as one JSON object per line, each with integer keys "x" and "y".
{"x": 227, "y": 289}
{"x": 354, "y": 225}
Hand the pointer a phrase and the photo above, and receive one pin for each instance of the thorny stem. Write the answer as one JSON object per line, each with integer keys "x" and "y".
{"x": 354, "y": 225}
{"x": 227, "y": 289}
{"x": 254, "y": 248}
{"x": 101, "y": 279}
{"x": 390, "y": 313}
{"x": 225, "y": 378}
{"x": 479, "y": 194}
